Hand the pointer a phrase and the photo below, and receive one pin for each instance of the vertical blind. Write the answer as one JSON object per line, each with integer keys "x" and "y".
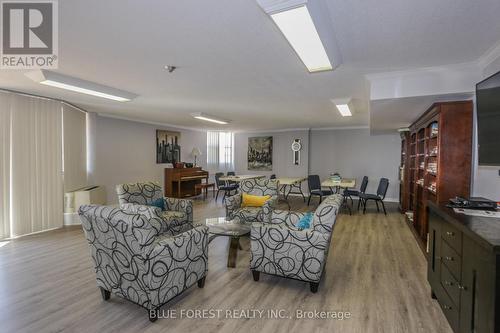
{"x": 220, "y": 151}
{"x": 31, "y": 166}
{"x": 36, "y": 195}
{"x": 4, "y": 165}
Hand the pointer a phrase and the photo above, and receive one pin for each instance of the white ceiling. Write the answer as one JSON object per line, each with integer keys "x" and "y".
{"x": 235, "y": 64}
{"x": 389, "y": 114}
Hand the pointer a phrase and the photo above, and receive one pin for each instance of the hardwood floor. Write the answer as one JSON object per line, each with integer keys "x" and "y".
{"x": 375, "y": 271}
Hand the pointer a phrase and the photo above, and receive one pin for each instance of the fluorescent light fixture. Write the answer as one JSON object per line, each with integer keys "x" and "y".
{"x": 307, "y": 26}
{"x": 343, "y": 106}
{"x": 344, "y": 110}
{"x": 298, "y": 27}
{"x": 212, "y": 119}
{"x": 81, "y": 86}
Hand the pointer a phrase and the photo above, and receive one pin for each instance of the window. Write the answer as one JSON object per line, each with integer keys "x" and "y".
{"x": 220, "y": 151}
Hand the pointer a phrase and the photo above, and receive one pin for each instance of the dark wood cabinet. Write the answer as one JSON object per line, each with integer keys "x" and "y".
{"x": 437, "y": 162}
{"x": 463, "y": 269}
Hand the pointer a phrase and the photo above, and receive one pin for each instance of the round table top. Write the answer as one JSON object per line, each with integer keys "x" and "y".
{"x": 221, "y": 226}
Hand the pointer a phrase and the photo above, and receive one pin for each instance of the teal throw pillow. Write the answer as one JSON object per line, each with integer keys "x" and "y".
{"x": 305, "y": 221}
{"x": 160, "y": 203}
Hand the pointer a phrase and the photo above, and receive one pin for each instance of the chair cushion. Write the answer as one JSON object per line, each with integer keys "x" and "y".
{"x": 249, "y": 200}
{"x": 228, "y": 187}
{"x": 174, "y": 218}
{"x": 351, "y": 192}
{"x": 248, "y": 214}
{"x": 321, "y": 192}
{"x": 369, "y": 196}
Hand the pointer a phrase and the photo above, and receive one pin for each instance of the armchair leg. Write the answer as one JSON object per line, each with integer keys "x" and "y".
{"x": 378, "y": 208}
{"x": 256, "y": 275}
{"x": 364, "y": 205}
{"x": 309, "y": 200}
{"x": 105, "y": 294}
{"x": 217, "y": 195}
{"x": 153, "y": 315}
{"x": 201, "y": 282}
{"x": 314, "y": 287}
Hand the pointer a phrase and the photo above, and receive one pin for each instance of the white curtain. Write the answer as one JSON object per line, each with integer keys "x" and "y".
{"x": 220, "y": 151}
{"x": 36, "y": 173}
{"x": 213, "y": 150}
{"x": 4, "y": 165}
{"x": 75, "y": 152}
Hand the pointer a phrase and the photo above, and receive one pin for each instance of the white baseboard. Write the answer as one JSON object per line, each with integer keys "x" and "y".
{"x": 306, "y": 194}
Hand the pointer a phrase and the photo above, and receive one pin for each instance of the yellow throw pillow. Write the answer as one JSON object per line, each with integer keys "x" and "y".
{"x": 254, "y": 200}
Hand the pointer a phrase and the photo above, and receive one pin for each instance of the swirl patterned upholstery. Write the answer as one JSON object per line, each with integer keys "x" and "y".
{"x": 262, "y": 186}
{"x": 134, "y": 260}
{"x": 138, "y": 198}
{"x": 280, "y": 248}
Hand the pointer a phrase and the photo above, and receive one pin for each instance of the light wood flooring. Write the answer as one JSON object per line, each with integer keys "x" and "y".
{"x": 375, "y": 271}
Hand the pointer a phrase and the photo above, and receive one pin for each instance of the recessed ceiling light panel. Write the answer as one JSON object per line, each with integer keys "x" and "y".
{"x": 307, "y": 27}
{"x": 344, "y": 106}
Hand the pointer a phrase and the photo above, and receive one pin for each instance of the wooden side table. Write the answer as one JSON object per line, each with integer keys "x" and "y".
{"x": 205, "y": 186}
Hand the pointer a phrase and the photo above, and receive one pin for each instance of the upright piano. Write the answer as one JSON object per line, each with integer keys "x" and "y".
{"x": 180, "y": 183}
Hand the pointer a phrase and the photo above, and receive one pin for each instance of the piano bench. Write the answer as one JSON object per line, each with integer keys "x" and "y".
{"x": 205, "y": 186}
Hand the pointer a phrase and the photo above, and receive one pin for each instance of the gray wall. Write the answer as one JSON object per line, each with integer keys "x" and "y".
{"x": 486, "y": 179}
{"x": 125, "y": 151}
{"x": 356, "y": 153}
{"x": 282, "y": 154}
{"x": 353, "y": 153}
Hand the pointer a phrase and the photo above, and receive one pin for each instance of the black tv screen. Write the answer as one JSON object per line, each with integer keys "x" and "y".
{"x": 488, "y": 120}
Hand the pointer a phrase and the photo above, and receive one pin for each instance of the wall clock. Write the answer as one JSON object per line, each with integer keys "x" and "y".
{"x": 296, "y": 147}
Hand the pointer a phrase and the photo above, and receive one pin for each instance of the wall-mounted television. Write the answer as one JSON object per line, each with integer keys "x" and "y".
{"x": 488, "y": 120}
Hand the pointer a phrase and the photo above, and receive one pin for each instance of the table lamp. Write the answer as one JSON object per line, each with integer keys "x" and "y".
{"x": 195, "y": 152}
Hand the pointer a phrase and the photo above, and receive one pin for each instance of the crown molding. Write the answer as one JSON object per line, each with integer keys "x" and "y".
{"x": 489, "y": 56}
{"x": 274, "y": 130}
{"x": 111, "y": 116}
{"x": 339, "y": 128}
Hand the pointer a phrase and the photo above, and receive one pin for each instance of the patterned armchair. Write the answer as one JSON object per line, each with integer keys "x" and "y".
{"x": 280, "y": 248}
{"x": 138, "y": 198}
{"x": 253, "y": 214}
{"x": 134, "y": 260}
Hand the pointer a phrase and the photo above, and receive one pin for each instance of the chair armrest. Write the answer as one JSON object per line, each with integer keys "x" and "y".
{"x": 267, "y": 208}
{"x": 148, "y": 211}
{"x": 290, "y": 218}
{"x": 176, "y": 263}
{"x": 194, "y": 240}
{"x": 286, "y": 251}
{"x": 233, "y": 202}
{"x": 180, "y": 205}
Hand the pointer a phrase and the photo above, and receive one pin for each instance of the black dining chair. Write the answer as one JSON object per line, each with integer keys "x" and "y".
{"x": 315, "y": 188}
{"x": 232, "y": 182}
{"x": 222, "y": 186}
{"x": 355, "y": 193}
{"x": 383, "y": 185}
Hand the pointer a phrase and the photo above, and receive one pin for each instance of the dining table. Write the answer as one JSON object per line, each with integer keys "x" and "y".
{"x": 337, "y": 186}
{"x": 291, "y": 185}
{"x": 240, "y": 178}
